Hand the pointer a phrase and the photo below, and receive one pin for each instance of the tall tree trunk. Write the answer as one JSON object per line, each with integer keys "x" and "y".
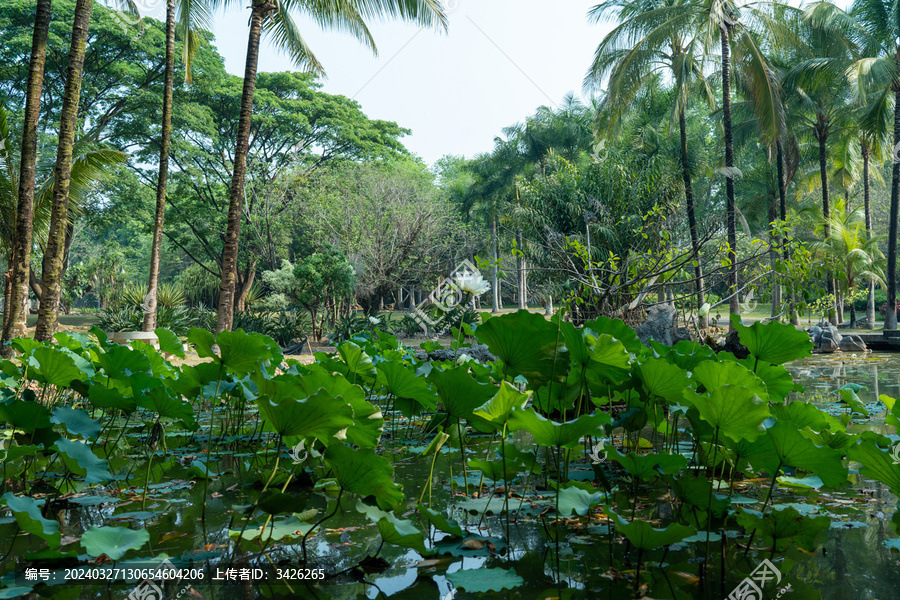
{"x": 822, "y": 136}
{"x": 733, "y": 305}
{"x": 156, "y": 244}
{"x": 260, "y": 8}
{"x": 692, "y": 217}
{"x": 16, "y": 308}
{"x": 782, "y": 199}
{"x": 520, "y": 271}
{"x": 52, "y": 265}
{"x": 890, "y": 315}
{"x": 495, "y": 284}
{"x": 773, "y": 256}
{"x": 870, "y": 300}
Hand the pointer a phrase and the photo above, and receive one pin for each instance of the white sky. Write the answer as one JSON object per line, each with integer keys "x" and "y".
{"x": 499, "y": 62}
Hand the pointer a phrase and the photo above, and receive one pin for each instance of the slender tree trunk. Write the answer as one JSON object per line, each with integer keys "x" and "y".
{"x": 16, "y": 307}
{"x": 822, "y": 136}
{"x": 52, "y": 265}
{"x": 691, "y": 214}
{"x": 773, "y": 257}
{"x": 870, "y": 299}
{"x": 156, "y": 245}
{"x": 233, "y": 232}
{"x": 782, "y": 198}
{"x": 240, "y": 302}
{"x": 734, "y": 305}
{"x": 520, "y": 269}
{"x": 890, "y": 315}
{"x": 495, "y": 284}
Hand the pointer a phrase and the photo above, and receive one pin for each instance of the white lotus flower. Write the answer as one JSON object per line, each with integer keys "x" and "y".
{"x": 472, "y": 284}
{"x": 374, "y": 321}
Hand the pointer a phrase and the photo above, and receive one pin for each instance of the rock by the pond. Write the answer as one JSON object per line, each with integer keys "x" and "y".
{"x": 853, "y": 343}
{"x": 478, "y": 352}
{"x": 825, "y": 337}
{"x": 659, "y": 326}
{"x": 733, "y": 344}
{"x": 683, "y": 334}
{"x": 827, "y": 345}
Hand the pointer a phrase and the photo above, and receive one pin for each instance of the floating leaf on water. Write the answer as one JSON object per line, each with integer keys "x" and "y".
{"x": 114, "y": 542}
{"x": 27, "y": 512}
{"x": 477, "y": 581}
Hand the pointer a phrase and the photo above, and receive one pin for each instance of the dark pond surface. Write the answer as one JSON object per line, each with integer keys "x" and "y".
{"x": 852, "y": 560}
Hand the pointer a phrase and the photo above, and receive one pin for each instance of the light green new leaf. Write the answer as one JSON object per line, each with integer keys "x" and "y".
{"x": 439, "y": 521}
{"x": 114, "y": 542}
{"x": 359, "y": 364}
{"x": 55, "y": 367}
{"x": 169, "y": 342}
{"x": 497, "y": 409}
{"x": 662, "y": 378}
{"x": 576, "y": 500}
{"x": 734, "y": 409}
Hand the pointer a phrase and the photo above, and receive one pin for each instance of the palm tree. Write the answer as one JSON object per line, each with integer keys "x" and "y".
{"x": 192, "y": 14}
{"x": 275, "y": 18}
{"x": 20, "y": 260}
{"x": 878, "y": 25}
{"x": 852, "y": 250}
{"x": 89, "y": 166}
{"x": 631, "y": 55}
{"x": 53, "y": 253}
{"x": 818, "y": 88}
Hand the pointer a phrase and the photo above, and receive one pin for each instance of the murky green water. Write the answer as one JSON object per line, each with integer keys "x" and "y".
{"x": 852, "y": 561}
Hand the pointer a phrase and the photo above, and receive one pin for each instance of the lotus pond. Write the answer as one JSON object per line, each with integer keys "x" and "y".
{"x": 581, "y": 464}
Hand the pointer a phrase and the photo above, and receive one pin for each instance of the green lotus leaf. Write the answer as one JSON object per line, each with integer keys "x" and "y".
{"x": 493, "y": 469}
{"x": 439, "y": 521}
{"x": 114, "y": 542}
{"x": 610, "y": 362}
{"x": 291, "y": 528}
{"x": 713, "y": 375}
{"x": 497, "y": 409}
{"x": 551, "y": 433}
{"x": 876, "y": 464}
{"x": 169, "y": 342}
{"x": 27, "y": 512}
{"x": 103, "y": 397}
{"x": 785, "y": 526}
{"x": 619, "y": 330}
{"x": 784, "y": 445}
{"x": 779, "y": 381}
{"x": 774, "y": 342}
{"x": 121, "y": 362}
{"x": 364, "y": 473}
{"x": 579, "y": 501}
{"x": 55, "y": 367}
{"x": 321, "y": 415}
{"x": 478, "y": 581}
{"x": 852, "y": 400}
{"x": 649, "y": 465}
{"x": 696, "y": 491}
{"x": 663, "y": 379}
{"x": 528, "y": 345}
{"x": 24, "y": 415}
{"x": 168, "y": 405}
{"x": 275, "y": 502}
{"x": 77, "y": 422}
{"x": 411, "y": 394}
{"x": 734, "y": 409}
{"x": 79, "y": 459}
{"x": 804, "y": 414}
{"x": 460, "y": 393}
{"x": 644, "y": 537}
{"x": 368, "y": 422}
{"x": 400, "y": 532}
{"x": 359, "y": 364}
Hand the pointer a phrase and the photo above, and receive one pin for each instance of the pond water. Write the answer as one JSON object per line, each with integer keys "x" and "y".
{"x": 575, "y": 558}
